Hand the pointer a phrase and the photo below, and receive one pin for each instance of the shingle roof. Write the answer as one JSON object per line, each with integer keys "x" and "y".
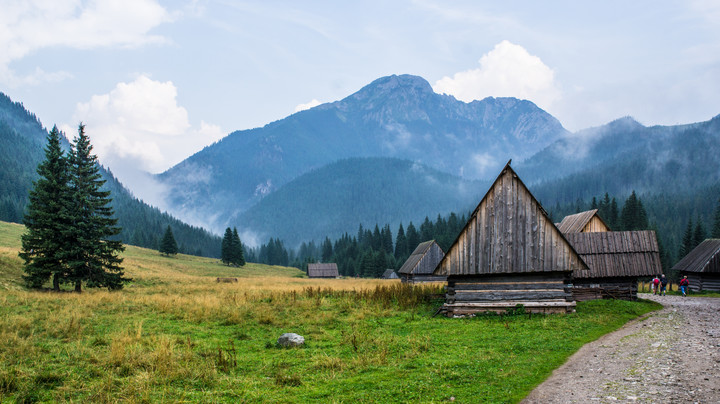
{"x": 323, "y": 270}
{"x": 617, "y": 253}
{"x": 703, "y": 258}
{"x": 411, "y": 264}
{"x": 575, "y": 223}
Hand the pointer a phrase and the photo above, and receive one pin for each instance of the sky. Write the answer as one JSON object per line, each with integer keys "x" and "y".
{"x": 156, "y": 81}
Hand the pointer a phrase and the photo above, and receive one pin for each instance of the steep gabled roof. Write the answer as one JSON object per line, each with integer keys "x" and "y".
{"x": 703, "y": 258}
{"x": 389, "y": 274}
{"x": 577, "y": 222}
{"x": 415, "y": 264}
{"x": 509, "y": 232}
{"x": 617, "y": 253}
{"x": 323, "y": 270}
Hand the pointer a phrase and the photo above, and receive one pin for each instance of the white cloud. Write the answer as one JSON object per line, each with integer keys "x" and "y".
{"x": 139, "y": 126}
{"x": 29, "y": 25}
{"x": 311, "y": 104}
{"x": 506, "y": 71}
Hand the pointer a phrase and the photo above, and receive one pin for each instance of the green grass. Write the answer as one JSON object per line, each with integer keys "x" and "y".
{"x": 174, "y": 335}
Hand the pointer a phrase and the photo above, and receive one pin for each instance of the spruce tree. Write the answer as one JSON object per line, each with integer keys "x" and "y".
{"x": 698, "y": 234}
{"x": 44, "y": 246}
{"x": 715, "y": 232}
{"x": 237, "y": 256}
{"x": 327, "y": 250}
{"x": 687, "y": 240}
{"x": 93, "y": 256}
{"x": 226, "y": 247}
{"x": 168, "y": 245}
{"x": 413, "y": 238}
{"x": 401, "y": 246}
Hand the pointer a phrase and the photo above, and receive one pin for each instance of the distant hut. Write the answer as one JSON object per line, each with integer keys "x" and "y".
{"x": 616, "y": 260}
{"x": 421, "y": 263}
{"x": 390, "y": 274}
{"x": 328, "y": 270}
{"x": 583, "y": 222}
{"x": 509, "y": 253}
{"x": 702, "y": 266}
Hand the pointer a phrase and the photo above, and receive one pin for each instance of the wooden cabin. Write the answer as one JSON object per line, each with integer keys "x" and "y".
{"x": 509, "y": 253}
{"x": 390, "y": 274}
{"x": 421, "y": 263}
{"x": 583, "y": 222}
{"x": 616, "y": 259}
{"x": 702, "y": 266}
{"x": 320, "y": 270}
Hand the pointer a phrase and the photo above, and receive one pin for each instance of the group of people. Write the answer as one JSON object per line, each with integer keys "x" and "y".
{"x": 659, "y": 285}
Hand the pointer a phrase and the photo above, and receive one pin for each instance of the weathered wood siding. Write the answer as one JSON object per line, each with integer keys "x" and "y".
{"x": 595, "y": 225}
{"x": 617, "y": 253}
{"x": 624, "y": 288}
{"x": 509, "y": 232}
{"x": 545, "y": 292}
{"x": 323, "y": 270}
{"x": 703, "y": 281}
{"x": 587, "y": 221}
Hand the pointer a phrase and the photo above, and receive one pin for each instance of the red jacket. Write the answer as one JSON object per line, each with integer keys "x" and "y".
{"x": 684, "y": 282}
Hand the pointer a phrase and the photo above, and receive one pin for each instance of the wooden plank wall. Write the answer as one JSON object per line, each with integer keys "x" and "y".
{"x": 548, "y": 292}
{"x": 605, "y": 288}
{"x": 509, "y": 233}
{"x": 430, "y": 260}
{"x": 703, "y": 281}
{"x": 595, "y": 225}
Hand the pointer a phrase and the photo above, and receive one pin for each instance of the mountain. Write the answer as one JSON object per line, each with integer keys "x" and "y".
{"x": 395, "y": 116}
{"x": 336, "y": 198}
{"x": 22, "y": 144}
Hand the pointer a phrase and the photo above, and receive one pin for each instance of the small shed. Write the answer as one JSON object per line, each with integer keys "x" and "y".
{"x": 509, "y": 253}
{"x": 702, "y": 266}
{"x": 588, "y": 221}
{"x": 390, "y": 274}
{"x": 320, "y": 270}
{"x": 421, "y": 263}
{"x": 616, "y": 260}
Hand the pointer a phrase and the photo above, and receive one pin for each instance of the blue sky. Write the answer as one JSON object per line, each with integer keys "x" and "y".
{"x": 155, "y": 81}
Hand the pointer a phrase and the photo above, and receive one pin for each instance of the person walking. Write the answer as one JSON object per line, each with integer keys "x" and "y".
{"x": 663, "y": 284}
{"x": 655, "y": 285}
{"x": 684, "y": 284}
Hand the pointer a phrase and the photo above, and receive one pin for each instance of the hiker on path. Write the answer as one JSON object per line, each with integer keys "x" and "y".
{"x": 663, "y": 284}
{"x": 684, "y": 284}
{"x": 655, "y": 285}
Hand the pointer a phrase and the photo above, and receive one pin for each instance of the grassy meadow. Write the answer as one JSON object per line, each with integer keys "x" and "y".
{"x": 175, "y": 335}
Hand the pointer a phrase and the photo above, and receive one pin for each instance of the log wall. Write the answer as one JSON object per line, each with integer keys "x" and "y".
{"x": 605, "y": 288}
{"x": 700, "y": 281}
{"x": 548, "y": 292}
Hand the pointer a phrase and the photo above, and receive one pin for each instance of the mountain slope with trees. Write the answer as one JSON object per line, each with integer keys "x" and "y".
{"x": 394, "y": 116}
{"x": 22, "y": 141}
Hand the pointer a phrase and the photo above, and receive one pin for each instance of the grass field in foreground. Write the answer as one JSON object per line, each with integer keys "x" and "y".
{"x": 174, "y": 335}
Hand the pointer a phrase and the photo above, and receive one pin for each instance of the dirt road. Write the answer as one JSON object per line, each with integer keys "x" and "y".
{"x": 669, "y": 356}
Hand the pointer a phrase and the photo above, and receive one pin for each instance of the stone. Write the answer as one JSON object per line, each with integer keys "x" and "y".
{"x": 290, "y": 339}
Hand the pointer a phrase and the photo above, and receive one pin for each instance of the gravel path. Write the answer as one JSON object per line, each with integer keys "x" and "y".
{"x": 668, "y": 356}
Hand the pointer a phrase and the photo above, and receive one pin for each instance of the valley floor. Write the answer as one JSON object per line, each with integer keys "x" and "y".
{"x": 671, "y": 355}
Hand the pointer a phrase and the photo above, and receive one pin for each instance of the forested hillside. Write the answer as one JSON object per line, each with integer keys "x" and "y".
{"x": 331, "y": 200}
{"x": 22, "y": 142}
{"x": 395, "y": 116}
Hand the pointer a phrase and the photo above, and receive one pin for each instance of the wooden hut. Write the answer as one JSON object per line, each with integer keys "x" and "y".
{"x": 509, "y": 253}
{"x": 616, "y": 260}
{"x": 421, "y": 263}
{"x": 390, "y": 274}
{"x": 320, "y": 270}
{"x": 702, "y": 266}
{"x": 583, "y": 222}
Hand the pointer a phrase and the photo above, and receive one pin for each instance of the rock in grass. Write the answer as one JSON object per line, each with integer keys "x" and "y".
{"x": 290, "y": 339}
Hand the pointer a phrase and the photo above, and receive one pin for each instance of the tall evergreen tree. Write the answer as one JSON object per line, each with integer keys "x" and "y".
{"x": 168, "y": 245}
{"x": 237, "y": 256}
{"x": 413, "y": 237}
{"x": 44, "y": 246}
{"x": 94, "y": 257}
{"x": 699, "y": 233}
{"x": 715, "y": 232}
{"x": 327, "y": 250}
{"x": 401, "y": 246}
{"x": 226, "y": 247}
{"x": 687, "y": 242}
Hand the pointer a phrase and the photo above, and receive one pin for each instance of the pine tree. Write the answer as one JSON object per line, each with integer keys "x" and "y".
{"x": 168, "y": 245}
{"x": 687, "y": 240}
{"x": 401, "y": 246}
{"x": 237, "y": 256}
{"x": 715, "y": 233}
{"x": 94, "y": 256}
{"x": 327, "y": 250}
{"x": 226, "y": 247}
{"x": 699, "y": 234}
{"x": 413, "y": 238}
{"x": 48, "y": 218}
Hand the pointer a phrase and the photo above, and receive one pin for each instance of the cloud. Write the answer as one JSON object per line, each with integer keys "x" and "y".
{"x": 311, "y": 104}
{"x": 506, "y": 71}
{"x": 139, "y": 126}
{"x": 27, "y": 26}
